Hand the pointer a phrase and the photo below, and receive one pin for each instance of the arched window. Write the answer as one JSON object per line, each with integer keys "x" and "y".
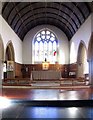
{"x": 45, "y": 47}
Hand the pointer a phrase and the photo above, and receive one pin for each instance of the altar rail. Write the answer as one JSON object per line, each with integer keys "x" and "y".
{"x": 61, "y": 81}
{"x": 16, "y": 81}
{"x": 74, "y": 81}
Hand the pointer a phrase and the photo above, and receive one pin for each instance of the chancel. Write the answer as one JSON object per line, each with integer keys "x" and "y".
{"x": 46, "y": 59}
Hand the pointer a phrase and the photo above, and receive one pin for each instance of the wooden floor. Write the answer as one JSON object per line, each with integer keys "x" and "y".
{"x": 48, "y": 94}
{"x": 26, "y": 111}
{"x": 21, "y": 110}
{"x": 44, "y": 104}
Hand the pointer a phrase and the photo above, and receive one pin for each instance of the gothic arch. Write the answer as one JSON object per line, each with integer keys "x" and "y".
{"x": 9, "y": 54}
{"x": 1, "y": 57}
{"x": 90, "y": 58}
{"x": 90, "y": 47}
{"x": 9, "y": 60}
{"x": 82, "y": 64}
{"x": 1, "y": 49}
{"x": 45, "y": 46}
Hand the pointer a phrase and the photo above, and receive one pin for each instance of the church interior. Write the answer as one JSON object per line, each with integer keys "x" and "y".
{"x": 46, "y": 60}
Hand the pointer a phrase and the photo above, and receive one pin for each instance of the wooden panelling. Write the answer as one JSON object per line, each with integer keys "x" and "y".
{"x": 72, "y": 70}
{"x": 18, "y": 68}
{"x": 65, "y": 70}
{"x": 73, "y": 67}
{"x": 24, "y": 70}
{"x": 27, "y": 68}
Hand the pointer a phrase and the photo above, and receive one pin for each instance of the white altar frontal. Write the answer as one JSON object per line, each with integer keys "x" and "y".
{"x": 46, "y": 75}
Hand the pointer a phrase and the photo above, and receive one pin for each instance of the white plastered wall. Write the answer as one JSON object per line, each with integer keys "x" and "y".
{"x": 62, "y": 39}
{"x": 7, "y": 35}
{"x": 84, "y": 34}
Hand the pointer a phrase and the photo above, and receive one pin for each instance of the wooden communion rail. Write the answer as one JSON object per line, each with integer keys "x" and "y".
{"x": 62, "y": 81}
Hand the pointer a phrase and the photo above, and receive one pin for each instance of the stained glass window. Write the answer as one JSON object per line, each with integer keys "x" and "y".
{"x": 45, "y": 47}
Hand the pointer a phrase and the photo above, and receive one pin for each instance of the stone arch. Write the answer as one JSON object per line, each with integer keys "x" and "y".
{"x": 1, "y": 49}
{"x": 82, "y": 63}
{"x": 9, "y": 54}
{"x": 10, "y": 59}
{"x": 90, "y": 58}
{"x": 1, "y": 57}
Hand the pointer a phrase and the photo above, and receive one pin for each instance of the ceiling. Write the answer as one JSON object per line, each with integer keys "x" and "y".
{"x": 67, "y": 16}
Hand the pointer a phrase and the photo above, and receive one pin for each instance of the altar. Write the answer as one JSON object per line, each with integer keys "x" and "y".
{"x": 46, "y": 75}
